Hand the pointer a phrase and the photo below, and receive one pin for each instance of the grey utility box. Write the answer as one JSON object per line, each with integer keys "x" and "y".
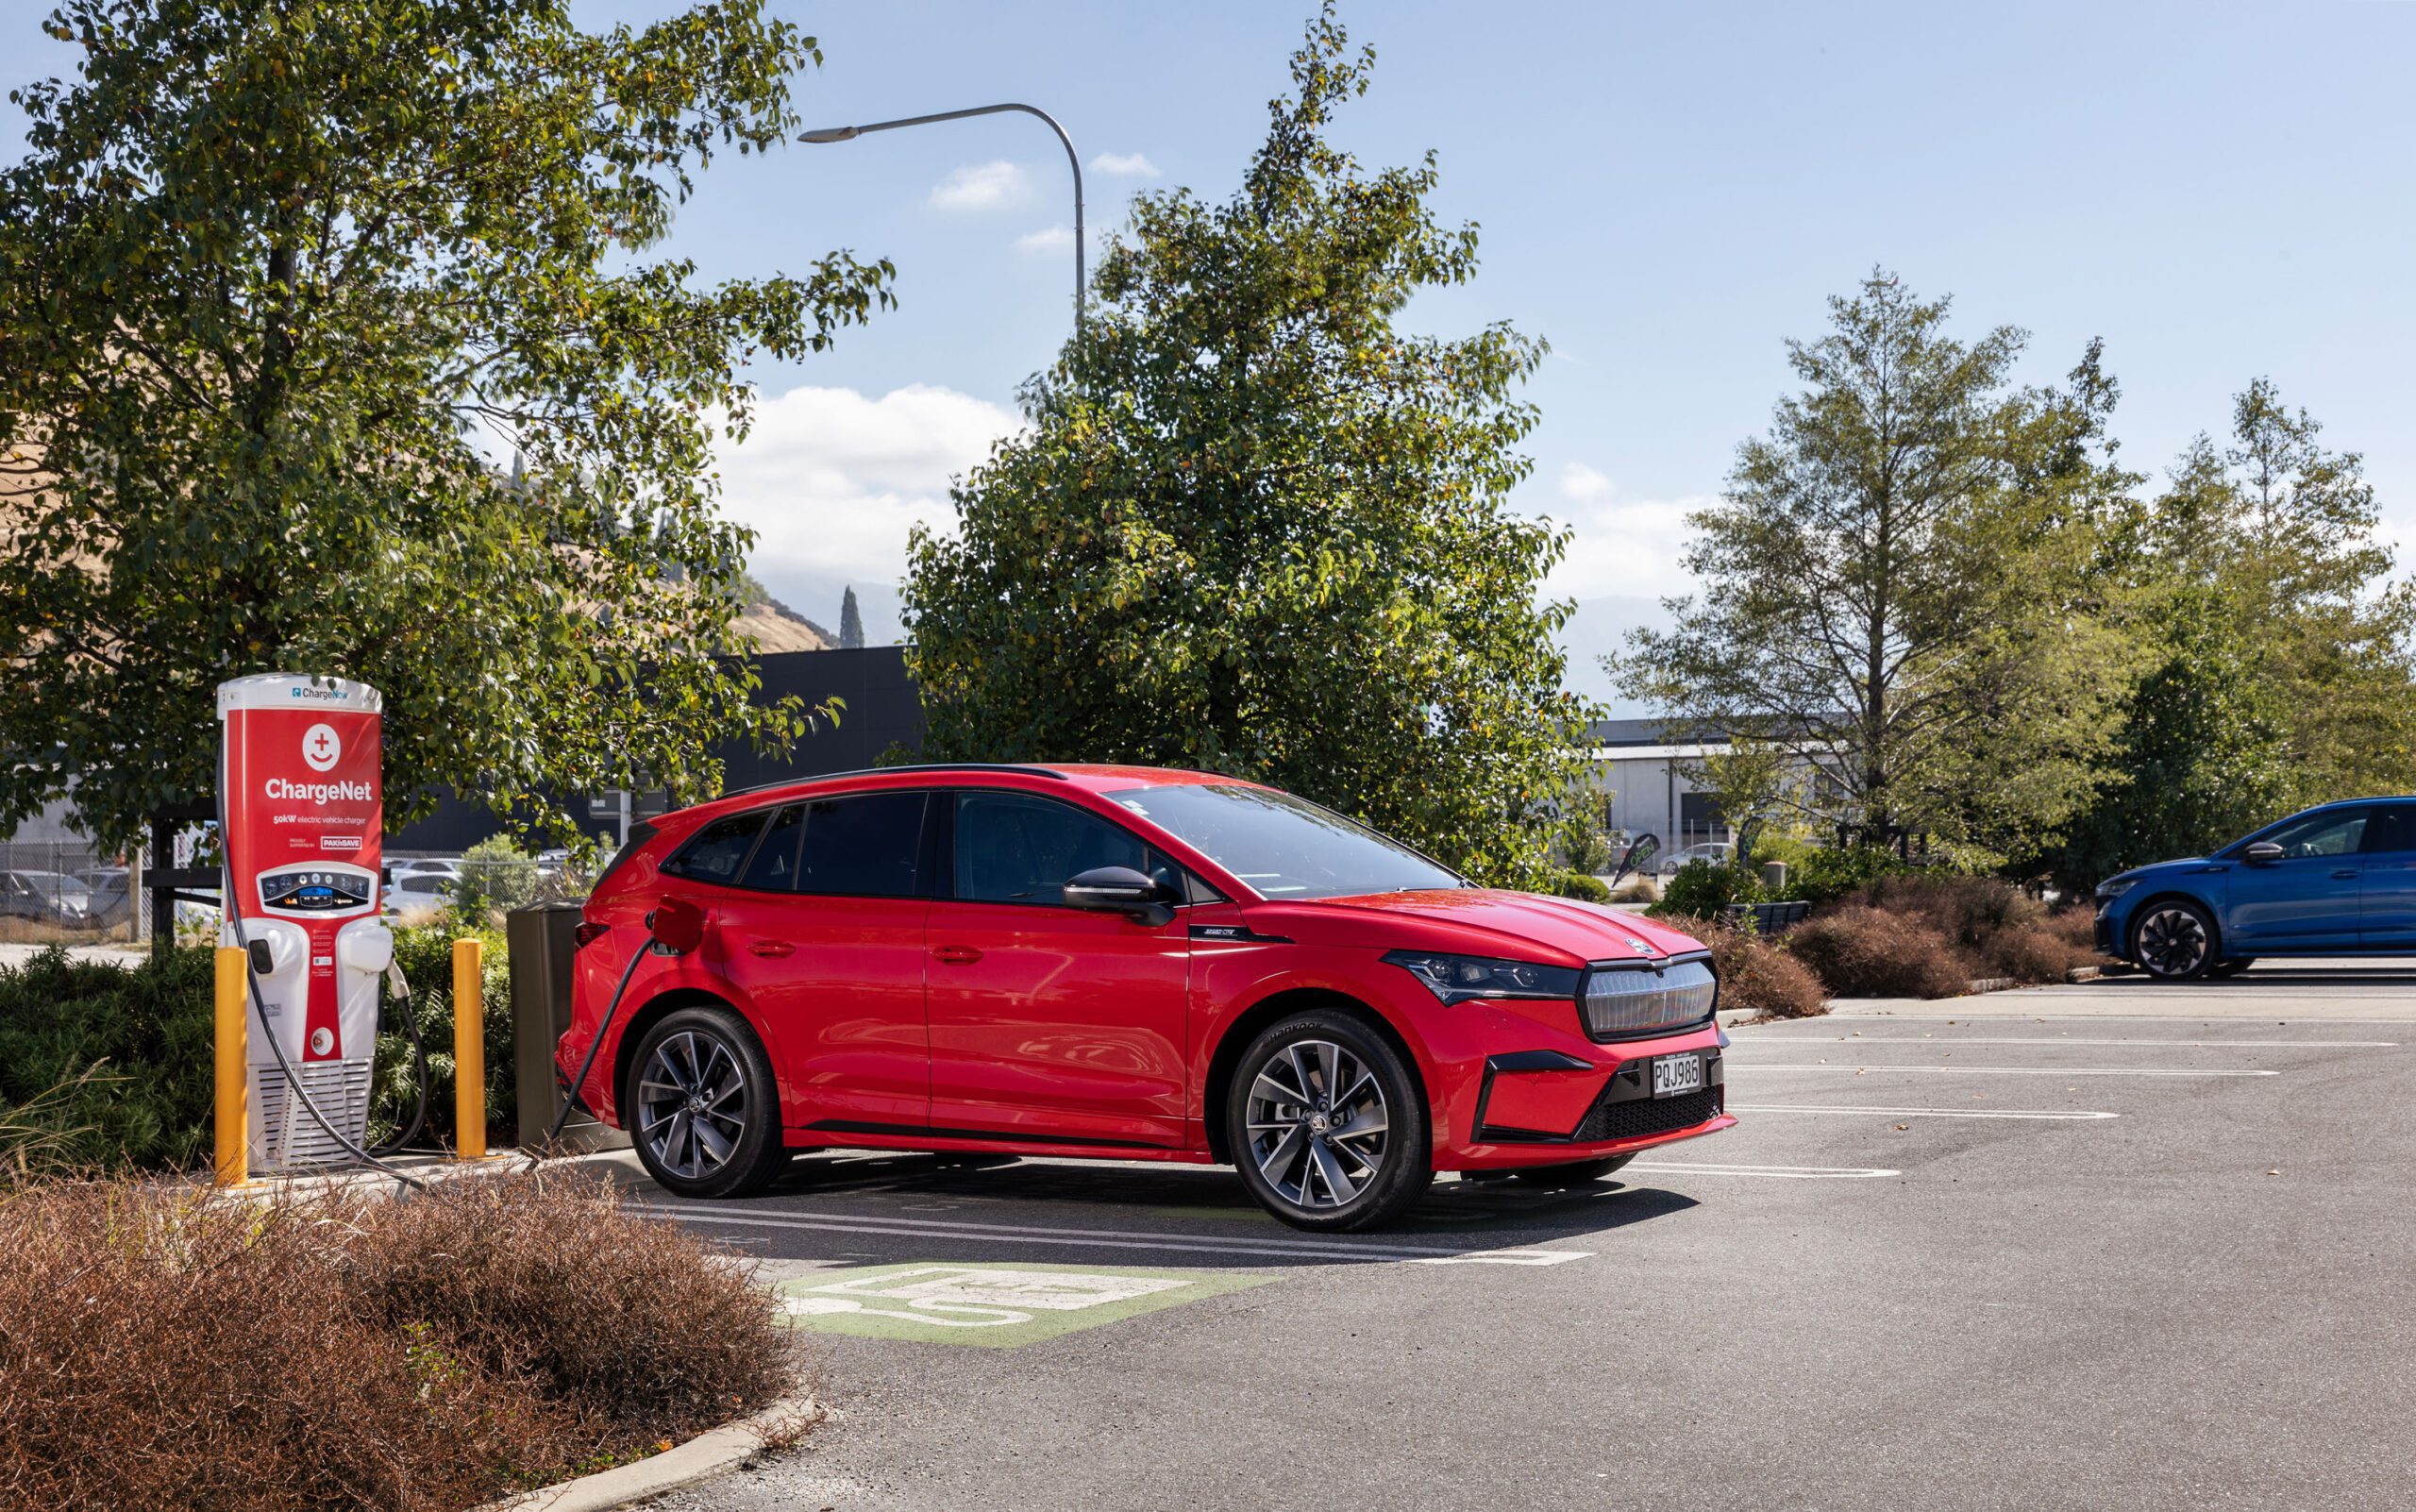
{"x": 542, "y": 937}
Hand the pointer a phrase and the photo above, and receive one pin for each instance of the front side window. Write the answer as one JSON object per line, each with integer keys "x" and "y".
{"x": 1283, "y": 846}
{"x": 1013, "y": 848}
{"x": 2332, "y": 832}
{"x": 719, "y": 849}
{"x": 862, "y": 845}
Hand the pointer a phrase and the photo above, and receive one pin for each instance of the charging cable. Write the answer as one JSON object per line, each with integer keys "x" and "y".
{"x": 260, "y": 1005}
{"x": 587, "y": 1063}
{"x": 402, "y": 986}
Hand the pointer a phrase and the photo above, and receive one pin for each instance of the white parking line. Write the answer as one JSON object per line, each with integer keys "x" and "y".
{"x": 1973, "y": 1039}
{"x": 1795, "y": 1173}
{"x": 1922, "y": 1113}
{"x": 1127, "y": 1239}
{"x": 1859, "y": 1067}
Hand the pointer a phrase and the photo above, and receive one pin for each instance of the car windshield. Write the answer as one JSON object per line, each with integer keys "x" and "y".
{"x": 1282, "y": 845}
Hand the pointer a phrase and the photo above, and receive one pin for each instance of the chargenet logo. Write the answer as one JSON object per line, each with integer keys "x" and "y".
{"x": 319, "y": 793}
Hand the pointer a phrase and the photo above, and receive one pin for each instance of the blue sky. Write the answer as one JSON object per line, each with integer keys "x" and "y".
{"x": 1665, "y": 194}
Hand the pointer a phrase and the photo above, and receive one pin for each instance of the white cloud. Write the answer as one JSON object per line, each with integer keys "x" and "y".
{"x": 833, "y": 480}
{"x": 1628, "y": 547}
{"x": 1579, "y": 482}
{"x": 1124, "y": 165}
{"x": 982, "y": 187}
{"x": 1050, "y": 239}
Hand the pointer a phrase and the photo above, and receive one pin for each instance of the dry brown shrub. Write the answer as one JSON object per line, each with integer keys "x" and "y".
{"x": 1968, "y": 911}
{"x": 1756, "y": 972}
{"x": 163, "y": 1348}
{"x": 1860, "y": 951}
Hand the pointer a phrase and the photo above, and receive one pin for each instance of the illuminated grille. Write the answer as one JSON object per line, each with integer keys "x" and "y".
{"x": 1628, "y": 1001}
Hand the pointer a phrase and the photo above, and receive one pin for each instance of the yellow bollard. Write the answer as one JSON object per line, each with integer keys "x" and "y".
{"x": 469, "y": 1052}
{"x": 234, "y": 1105}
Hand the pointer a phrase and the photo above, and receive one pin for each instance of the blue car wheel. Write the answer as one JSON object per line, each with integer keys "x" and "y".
{"x": 2175, "y": 940}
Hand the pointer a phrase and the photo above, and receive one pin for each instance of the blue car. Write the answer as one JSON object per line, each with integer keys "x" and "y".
{"x": 2337, "y": 880}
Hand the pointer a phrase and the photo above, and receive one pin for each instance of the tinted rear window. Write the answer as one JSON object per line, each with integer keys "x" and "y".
{"x": 719, "y": 848}
{"x": 864, "y": 846}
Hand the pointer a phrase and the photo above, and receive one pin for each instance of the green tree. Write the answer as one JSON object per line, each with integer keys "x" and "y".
{"x": 851, "y": 623}
{"x": 279, "y": 279}
{"x": 1255, "y": 527}
{"x": 1897, "y": 587}
{"x": 2203, "y": 755}
{"x": 2280, "y": 672}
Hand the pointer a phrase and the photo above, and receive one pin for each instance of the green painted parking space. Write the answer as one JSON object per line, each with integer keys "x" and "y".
{"x": 989, "y": 1306}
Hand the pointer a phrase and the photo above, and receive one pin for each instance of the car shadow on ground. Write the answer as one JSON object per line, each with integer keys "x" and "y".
{"x": 1180, "y": 1201}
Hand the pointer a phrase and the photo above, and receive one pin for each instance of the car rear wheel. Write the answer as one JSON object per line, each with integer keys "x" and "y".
{"x": 1325, "y": 1124}
{"x": 2175, "y": 940}
{"x": 703, "y": 1109}
{"x": 1575, "y": 1173}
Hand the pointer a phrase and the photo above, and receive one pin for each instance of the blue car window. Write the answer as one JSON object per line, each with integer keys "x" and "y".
{"x": 2330, "y": 833}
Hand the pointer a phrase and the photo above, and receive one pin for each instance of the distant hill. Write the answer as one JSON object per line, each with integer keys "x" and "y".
{"x": 774, "y": 626}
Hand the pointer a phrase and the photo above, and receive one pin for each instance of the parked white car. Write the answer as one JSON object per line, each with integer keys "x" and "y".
{"x": 419, "y": 897}
{"x": 1719, "y": 852}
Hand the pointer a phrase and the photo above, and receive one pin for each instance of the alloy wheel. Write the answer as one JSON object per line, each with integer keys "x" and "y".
{"x": 1318, "y": 1123}
{"x": 2173, "y": 941}
{"x": 691, "y": 1104}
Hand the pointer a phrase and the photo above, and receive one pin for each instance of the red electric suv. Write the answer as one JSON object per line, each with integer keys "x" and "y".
{"x": 1125, "y": 963}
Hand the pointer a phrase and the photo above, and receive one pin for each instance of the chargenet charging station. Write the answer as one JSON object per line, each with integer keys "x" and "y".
{"x": 301, "y": 821}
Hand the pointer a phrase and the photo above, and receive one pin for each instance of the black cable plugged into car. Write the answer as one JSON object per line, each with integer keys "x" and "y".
{"x": 674, "y": 927}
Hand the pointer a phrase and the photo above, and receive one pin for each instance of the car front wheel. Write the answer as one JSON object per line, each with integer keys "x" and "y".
{"x": 702, "y": 1109}
{"x": 1325, "y": 1125}
{"x": 2175, "y": 940}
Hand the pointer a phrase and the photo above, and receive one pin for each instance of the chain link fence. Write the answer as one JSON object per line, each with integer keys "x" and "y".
{"x": 63, "y": 892}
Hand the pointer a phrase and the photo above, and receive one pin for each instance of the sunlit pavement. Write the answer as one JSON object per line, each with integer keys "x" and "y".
{"x": 2110, "y": 1245}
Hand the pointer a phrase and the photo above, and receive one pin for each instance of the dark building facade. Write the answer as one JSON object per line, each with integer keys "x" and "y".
{"x": 881, "y": 709}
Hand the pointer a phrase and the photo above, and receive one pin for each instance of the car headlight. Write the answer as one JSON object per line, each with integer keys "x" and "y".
{"x": 1459, "y": 978}
{"x": 2117, "y": 886}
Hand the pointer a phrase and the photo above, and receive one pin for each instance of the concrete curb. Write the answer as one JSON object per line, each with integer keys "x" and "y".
{"x": 715, "y": 1451}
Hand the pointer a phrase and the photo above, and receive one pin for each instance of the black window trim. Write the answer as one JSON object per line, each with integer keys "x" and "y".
{"x": 948, "y": 854}
{"x": 806, "y": 800}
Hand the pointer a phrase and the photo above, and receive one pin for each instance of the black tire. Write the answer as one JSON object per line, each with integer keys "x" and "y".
{"x": 1575, "y": 1173}
{"x": 2174, "y": 940}
{"x": 2231, "y": 967}
{"x": 703, "y": 1107}
{"x": 1339, "y": 1140}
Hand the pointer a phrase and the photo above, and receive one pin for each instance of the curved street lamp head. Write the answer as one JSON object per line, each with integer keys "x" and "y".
{"x": 831, "y": 134}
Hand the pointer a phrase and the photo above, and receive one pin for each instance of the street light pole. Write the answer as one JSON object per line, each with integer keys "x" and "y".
{"x": 1072, "y": 159}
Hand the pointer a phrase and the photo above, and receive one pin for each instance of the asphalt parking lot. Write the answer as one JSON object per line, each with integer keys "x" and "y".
{"x": 2110, "y": 1245}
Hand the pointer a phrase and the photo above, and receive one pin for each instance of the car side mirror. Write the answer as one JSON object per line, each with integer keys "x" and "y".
{"x": 1120, "y": 890}
{"x": 2264, "y": 853}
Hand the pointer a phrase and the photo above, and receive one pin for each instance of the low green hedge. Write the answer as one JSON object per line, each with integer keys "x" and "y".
{"x": 106, "y": 1067}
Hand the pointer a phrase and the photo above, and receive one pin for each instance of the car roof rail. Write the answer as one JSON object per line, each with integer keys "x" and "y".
{"x": 1027, "y": 768}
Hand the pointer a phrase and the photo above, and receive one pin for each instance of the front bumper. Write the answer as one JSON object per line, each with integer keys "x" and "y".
{"x": 1538, "y": 1108}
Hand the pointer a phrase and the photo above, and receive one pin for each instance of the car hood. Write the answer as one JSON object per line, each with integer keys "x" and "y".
{"x": 1588, "y": 932}
{"x": 2156, "y": 868}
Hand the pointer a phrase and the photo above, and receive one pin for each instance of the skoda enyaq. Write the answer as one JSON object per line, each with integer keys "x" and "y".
{"x": 2336, "y": 880}
{"x": 1124, "y": 963}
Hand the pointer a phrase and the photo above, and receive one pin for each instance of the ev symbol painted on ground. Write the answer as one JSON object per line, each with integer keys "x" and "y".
{"x": 993, "y": 1305}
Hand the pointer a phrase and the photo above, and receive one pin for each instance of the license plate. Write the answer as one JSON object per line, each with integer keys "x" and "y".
{"x": 1673, "y": 1074}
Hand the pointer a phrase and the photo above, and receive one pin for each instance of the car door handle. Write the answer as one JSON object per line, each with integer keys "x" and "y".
{"x": 772, "y": 947}
{"x": 956, "y": 954}
{"x": 2345, "y": 874}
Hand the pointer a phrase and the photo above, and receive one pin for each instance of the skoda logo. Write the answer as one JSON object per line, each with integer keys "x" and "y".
{"x": 321, "y": 746}
{"x": 1641, "y": 948}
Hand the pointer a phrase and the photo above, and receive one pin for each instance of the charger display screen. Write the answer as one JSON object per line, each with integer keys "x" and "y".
{"x": 313, "y": 891}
